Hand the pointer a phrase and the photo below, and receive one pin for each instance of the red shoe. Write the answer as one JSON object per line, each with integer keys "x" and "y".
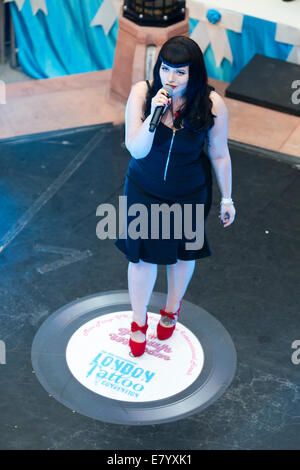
{"x": 138, "y": 349}
{"x": 164, "y": 332}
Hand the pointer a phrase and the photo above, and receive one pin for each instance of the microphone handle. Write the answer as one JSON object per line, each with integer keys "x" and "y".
{"x": 158, "y": 112}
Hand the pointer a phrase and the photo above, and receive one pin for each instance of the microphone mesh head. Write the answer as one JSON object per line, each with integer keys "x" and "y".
{"x": 169, "y": 89}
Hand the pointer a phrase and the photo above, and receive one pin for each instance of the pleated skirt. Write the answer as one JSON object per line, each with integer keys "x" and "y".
{"x": 162, "y": 250}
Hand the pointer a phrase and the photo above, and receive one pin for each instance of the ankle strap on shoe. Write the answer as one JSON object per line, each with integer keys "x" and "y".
{"x": 136, "y": 327}
{"x": 166, "y": 314}
{"x": 170, "y": 315}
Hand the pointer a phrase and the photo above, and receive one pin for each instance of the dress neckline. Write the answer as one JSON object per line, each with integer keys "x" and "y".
{"x": 176, "y": 130}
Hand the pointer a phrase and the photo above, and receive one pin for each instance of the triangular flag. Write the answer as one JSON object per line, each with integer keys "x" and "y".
{"x": 105, "y": 16}
{"x": 36, "y": 5}
{"x": 20, "y": 3}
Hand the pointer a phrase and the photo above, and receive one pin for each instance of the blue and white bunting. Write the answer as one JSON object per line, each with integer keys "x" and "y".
{"x": 289, "y": 35}
{"x": 105, "y": 16}
{"x": 36, "y": 5}
{"x": 212, "y": 27}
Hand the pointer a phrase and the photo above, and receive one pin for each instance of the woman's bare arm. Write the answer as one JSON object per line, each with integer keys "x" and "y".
{"x": 138, "y": 138}
{"x": 217, "y": 146}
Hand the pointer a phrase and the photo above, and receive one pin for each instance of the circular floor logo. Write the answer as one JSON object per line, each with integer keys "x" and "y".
{"x": 98, "y": 357}
{"x": 81, "y": 356}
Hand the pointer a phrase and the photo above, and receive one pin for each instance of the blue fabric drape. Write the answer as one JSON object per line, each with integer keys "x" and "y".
{"x": 63, "y": 43}
{"x": 257, "y": 37}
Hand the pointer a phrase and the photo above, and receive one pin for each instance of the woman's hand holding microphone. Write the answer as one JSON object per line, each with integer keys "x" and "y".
{"x": 160, "y": 99}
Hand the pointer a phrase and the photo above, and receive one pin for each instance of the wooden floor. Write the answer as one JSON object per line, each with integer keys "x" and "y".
{"x": 36, "y": 106}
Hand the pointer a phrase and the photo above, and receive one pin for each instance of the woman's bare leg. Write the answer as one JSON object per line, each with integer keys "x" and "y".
{"x": 179, "y": 276}
{"x": 141, "y": 280}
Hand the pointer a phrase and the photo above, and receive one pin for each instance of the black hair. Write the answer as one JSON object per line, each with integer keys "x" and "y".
{"x": 196, "y": 113}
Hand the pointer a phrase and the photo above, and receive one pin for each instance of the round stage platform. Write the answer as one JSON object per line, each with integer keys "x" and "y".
{"x": 81, "y": 356}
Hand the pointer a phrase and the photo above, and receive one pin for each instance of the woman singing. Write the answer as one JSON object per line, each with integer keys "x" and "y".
{"x": 169, "y": 166}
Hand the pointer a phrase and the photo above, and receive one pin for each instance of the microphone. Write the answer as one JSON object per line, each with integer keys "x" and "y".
{"x": 159, "y": 110}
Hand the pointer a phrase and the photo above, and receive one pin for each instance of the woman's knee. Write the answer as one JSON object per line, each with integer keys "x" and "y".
{"x": 186, "y": 262}
{"x": 143, "y": 264}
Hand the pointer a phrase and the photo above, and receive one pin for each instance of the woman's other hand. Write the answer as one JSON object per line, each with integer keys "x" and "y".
{"x": 227, "y": 214}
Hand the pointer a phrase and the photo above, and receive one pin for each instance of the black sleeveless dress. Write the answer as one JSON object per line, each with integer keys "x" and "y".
{"x": 175, "y": 171}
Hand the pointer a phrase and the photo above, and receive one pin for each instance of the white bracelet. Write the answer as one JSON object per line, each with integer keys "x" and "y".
{"x": 226, "y": 200}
